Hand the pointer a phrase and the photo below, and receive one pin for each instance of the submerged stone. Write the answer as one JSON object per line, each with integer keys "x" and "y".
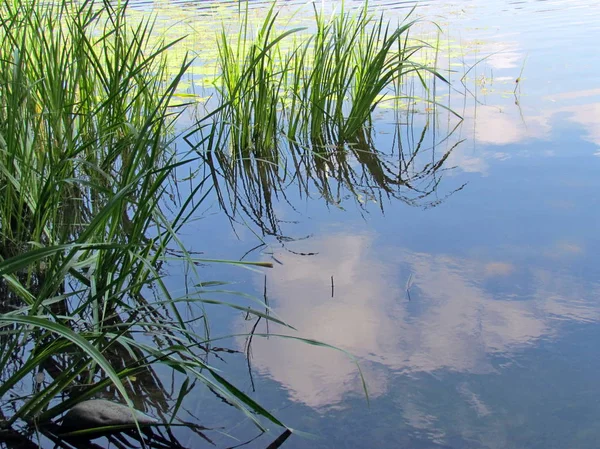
{"x": 100, "y": 413}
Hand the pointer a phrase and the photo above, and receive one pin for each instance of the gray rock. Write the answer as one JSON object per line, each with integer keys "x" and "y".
{"x": 100, "y": 412}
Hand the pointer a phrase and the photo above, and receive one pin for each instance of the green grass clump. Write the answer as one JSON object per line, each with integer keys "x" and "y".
{"x": 318, "y": 87}
{"x": 295, "y": 105}
{"x": 86, "y": 169}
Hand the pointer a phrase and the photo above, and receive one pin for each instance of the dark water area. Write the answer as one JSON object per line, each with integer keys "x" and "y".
{"x": 474, "y": 312}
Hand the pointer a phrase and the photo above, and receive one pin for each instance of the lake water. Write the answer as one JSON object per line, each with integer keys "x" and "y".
{"x": 473, "y": 312}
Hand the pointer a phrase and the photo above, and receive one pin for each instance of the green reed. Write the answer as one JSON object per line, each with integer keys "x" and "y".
{"x": 250, "y": 86}
{"x": 86, "y": 169}
{"x": 303, "y": 86}
{"x": 296, "y": 105}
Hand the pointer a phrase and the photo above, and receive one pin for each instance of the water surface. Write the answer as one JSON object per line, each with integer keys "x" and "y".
{"x": 473, "y": 314}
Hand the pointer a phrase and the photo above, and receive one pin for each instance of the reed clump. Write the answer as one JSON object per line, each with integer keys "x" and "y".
{"x": 86, "y": 170}
{"x": 295, "y": 105}
{"x": 318, "y": 84}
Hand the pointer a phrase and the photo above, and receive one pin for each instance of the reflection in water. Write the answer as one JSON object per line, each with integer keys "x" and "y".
{"x": 498, "y": 128}
{"x": 457, "y": 317}
{"x": 497, "y": 125}
{"x": 410, "y": 170}
{"x": 465, "y": 314}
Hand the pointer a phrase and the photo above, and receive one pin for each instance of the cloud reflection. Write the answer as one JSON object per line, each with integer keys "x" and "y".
{"x": 503, "y": 125}
{"x": 457, "y": 318}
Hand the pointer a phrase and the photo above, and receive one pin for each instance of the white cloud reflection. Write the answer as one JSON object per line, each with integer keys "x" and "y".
{"x": 506, "y": 124}
{"x": 455, "y": 321}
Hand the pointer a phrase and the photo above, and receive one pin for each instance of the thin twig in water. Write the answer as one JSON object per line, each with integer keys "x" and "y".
{"x": 408, "y": 285}
{"x": 249, "y": 352}
{"x": 266, "y": 298}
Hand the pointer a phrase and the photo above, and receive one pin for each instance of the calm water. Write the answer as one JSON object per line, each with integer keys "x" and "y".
{"x": 475, "y": 322}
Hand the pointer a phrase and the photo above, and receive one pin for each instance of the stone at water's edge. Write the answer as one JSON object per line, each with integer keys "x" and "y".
{"x": 100, "y": 412}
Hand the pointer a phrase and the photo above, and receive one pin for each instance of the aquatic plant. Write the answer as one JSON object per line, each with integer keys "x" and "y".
{"x": 304, "y": 83}
{"x": 86, "y": 174}
{"x": 294, "y": 106}
{"x": 251, "y": 85}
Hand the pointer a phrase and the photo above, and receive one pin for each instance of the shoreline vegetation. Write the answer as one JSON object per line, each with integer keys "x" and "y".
{"x": 90, "y": 209}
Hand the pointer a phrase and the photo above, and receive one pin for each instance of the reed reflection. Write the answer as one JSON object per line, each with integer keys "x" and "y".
{"x": 357, "y": 171}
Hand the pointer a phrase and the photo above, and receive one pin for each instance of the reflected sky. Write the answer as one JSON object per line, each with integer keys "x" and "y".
{"x": 408, "y": 312}
{"x": 470, "y": 320}
{"x": 503, "y": 124}
{"x": 497, "y": 127}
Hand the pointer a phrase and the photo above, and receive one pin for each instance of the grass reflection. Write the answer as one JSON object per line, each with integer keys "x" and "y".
{"x": 354, "y": 171}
